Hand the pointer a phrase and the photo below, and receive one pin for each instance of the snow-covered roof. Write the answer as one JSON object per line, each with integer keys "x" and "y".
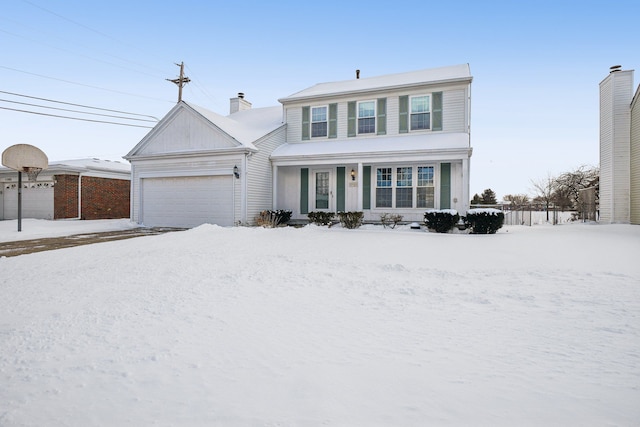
{"x": 390, "y": 145}
{"x": 87, "y": 167}
{"x": 245, "y": 126}
{"x": 411, "y": 78}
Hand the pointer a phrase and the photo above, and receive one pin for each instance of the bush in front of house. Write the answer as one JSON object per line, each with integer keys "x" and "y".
{"x": 484, "y": 221}
{"x": 390, "y": 220}
{"x": 273, "y": 218}
{"x": 350, "y": 220}
{"x": 321, "y": 218}
{"x": 441, "y": 221}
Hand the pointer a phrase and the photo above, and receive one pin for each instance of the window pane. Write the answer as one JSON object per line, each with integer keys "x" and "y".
{"x": 318, "y": 129}
{"x": 404, "y": 197}
{"x": 322, "y": 190}
{"x": 383, "y": 197}
{"x": 367, "y": 125}
{"x": 420, "y": 104}
{"x": 404, "y": 177}
{"x": 420, "y": 121}
{"x": 383, "y": 177}
{"x": 319, "y": 114}
{"x": 425, "y": 176}
{"x": 366, "y": 109}
{"x": 425, "y": 197}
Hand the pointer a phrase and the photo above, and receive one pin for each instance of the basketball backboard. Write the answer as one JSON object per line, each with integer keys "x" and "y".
{"x": 24, "y": 157}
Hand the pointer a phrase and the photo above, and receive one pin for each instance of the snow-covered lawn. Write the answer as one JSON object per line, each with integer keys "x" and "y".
{"x": 325, "y": 327}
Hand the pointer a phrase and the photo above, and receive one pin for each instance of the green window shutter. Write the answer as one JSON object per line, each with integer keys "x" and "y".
{"x": 351, "y": 118}
{"x": 340, "y": 189}
{"x": 333, "y": 120}
{"x": 404, "y": 114}
{"x": 366, "y": 187}
{"x": 305, "y": 123}
{"x": 304, "y": 191}
{"x": 445, "y": 186}
{"x": 436, "y": 115}
{"x": 382, "y": 116}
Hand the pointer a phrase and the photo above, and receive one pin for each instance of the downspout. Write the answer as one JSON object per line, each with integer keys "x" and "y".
{"x": 244, "y": 197}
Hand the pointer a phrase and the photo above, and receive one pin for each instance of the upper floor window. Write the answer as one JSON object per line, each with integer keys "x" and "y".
{"x": 319, "y": 123}
{"x": 420, "y": 113}
{"x": 366, "y": 117}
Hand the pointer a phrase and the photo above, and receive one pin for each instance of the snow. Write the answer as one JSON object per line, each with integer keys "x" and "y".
{"x": 323, "y": 326}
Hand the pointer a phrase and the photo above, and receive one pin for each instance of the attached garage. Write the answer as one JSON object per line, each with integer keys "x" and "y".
{"x": 187, "y": 201}
{"x": 37, "y": 201}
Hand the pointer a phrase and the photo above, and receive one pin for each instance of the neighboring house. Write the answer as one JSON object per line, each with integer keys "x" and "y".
{"x": 83, "y": 189}
{"x": 392, "y": 144}
{"x": 196, "y": 166}
{"x": 398, "y": 143}
{"x": 619, "y": 148}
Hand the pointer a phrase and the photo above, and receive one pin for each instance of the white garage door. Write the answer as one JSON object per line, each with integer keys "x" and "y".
{"x": 37, "y": 202}
{"x": 187, "y": 201}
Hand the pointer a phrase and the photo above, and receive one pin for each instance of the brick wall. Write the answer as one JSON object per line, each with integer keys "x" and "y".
{"x": 65, "y": 197}
{"x": 104, "y": 198}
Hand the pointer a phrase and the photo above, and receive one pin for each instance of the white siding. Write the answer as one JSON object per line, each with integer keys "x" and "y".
{"x": 186, "y": 132}
{"x": 615, "y": 125}
{"x": 455, "y": 110}
{"x": 259, "y": 175}
{"x": 635, "y": 159}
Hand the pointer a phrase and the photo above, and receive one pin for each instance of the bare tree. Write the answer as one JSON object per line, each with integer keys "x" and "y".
{"x": 569, "y": 184}
{"x": 516, "y": 200}
{"x": 544, "y": 190}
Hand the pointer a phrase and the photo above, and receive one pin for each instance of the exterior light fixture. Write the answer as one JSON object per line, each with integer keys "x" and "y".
{"x": 236, "y": 172}
{"x": 353, "y": 175}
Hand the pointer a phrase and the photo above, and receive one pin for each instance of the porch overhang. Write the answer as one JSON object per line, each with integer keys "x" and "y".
{"x": 432, "y": 147}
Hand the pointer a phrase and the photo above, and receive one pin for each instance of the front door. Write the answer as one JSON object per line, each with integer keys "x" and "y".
{"x": 322, "y": 195}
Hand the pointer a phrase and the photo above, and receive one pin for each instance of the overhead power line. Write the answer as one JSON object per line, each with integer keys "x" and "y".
{"x": 77, "y": 105}
{"x": 75, "y": 118}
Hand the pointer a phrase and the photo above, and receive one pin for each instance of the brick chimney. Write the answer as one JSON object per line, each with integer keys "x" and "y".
{"x": 239, "y": 104}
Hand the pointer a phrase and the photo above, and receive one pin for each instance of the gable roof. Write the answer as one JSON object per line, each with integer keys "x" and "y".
{"x": 452, "y": 73}
{"x": 244, "y": 127}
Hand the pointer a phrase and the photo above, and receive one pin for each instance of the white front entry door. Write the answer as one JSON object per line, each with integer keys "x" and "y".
{"x": 322, "y": 191}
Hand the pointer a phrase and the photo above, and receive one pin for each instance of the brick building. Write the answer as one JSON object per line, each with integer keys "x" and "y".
{"x": 80, "y": 189}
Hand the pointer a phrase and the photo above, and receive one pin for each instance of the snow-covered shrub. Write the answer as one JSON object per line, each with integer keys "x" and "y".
{"x": 270, "y": 219}
{"x": 484, "y": 221}
{"x": 441, "y": 221}
{"x": 350, "y": 219}
{"x": 390, "y": 219}
{"x": 321, "y": 218}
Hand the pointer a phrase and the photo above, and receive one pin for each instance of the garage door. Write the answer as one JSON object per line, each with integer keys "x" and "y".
{"x": 187, "y": 201}
{"x": 37, "y": 202}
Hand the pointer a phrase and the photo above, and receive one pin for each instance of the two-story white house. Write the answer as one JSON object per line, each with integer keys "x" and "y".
{"x": 398, "y": 143}
{"x": 391, "y": 144}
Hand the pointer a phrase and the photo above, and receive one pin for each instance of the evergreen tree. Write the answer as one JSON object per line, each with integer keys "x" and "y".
{"x": 489, "y": 197}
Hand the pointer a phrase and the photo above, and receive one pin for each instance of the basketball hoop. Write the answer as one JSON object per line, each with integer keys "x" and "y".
{"x": 32, "y": 173}
{"x": 28, "y": 159}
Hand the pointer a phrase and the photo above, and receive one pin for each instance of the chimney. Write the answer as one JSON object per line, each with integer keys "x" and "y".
{"x": 357, "y": 74}
{"x": 239, "y": 104}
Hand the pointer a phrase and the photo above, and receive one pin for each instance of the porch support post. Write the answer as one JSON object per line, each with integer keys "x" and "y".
{"x": 360, "y": 187}
{"x": 274, "y": 187}
{"x": 466, "y": 197}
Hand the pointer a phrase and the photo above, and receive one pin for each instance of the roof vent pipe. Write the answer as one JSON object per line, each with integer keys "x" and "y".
{"x": 615, "y": 68}
{"x": 241, "y": 95}
{"x": 357, "y": 74}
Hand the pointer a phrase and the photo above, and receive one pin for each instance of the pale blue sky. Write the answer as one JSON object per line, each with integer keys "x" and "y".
{"x": 536, "y": 67}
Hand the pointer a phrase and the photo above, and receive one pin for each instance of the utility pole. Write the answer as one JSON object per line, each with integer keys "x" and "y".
{"x": 180, "y": 81}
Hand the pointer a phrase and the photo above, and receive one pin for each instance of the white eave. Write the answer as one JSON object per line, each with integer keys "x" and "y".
{"x": 435, "y": 146}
